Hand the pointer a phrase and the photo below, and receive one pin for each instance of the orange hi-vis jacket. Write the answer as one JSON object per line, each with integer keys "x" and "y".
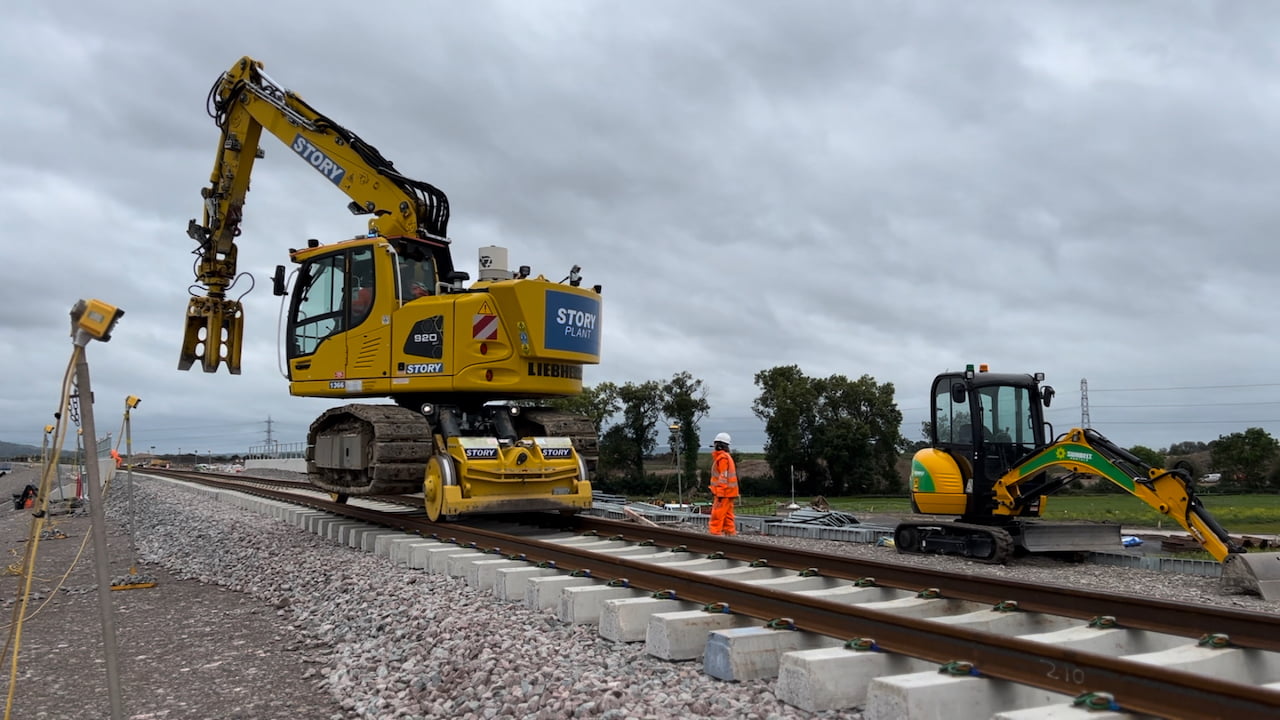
{"x": 724, "y": 475}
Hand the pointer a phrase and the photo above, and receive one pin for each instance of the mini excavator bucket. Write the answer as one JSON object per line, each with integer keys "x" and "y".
{"x": 214, "y": 330}
{"x": 1253, "y": 572}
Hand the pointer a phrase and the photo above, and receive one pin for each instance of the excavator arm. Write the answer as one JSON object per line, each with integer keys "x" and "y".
{"x": 1083, "y": 450}
{"x": 243, "y": 102}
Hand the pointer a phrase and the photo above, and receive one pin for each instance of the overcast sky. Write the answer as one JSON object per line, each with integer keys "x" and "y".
{"x": 884, "y": 188}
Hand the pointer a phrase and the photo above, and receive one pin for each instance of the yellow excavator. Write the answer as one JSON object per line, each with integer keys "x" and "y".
{"x": 386, "y": 314}
{"x": 991, "y": 466}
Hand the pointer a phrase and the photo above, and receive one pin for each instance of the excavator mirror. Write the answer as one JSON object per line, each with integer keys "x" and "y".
{"x": 277, "y": 282}
{"x": 959, "y": 394}
{"x": 1046, "y": 394}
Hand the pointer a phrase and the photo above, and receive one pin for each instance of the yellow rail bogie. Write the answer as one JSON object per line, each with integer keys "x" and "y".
{"x": 534, "y": 474}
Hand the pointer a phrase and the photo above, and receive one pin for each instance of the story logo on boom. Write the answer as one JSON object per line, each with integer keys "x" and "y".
{"x": 314, "y": 155}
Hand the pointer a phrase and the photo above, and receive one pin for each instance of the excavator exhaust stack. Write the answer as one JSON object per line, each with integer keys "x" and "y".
{"x": 213, "y": 334}
{"x": 1253, "y": 573}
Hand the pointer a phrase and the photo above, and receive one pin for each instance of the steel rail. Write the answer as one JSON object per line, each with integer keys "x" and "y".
{"x": 1245, "y": 628}
{"x": 1133, "y": 686}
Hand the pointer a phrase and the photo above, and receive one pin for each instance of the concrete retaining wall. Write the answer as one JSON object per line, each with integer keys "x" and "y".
{"x": 294, "y": 464}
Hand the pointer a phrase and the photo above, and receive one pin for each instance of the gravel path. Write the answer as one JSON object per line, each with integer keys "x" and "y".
{"x": 253, "y": 618}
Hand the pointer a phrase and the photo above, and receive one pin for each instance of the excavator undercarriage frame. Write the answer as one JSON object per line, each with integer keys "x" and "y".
{"x": 998, "y": 543}
{"x": 977, "y": 542}
{"x": 494, "y": 459}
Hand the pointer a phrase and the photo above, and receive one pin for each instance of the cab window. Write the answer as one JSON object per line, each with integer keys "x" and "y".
{"x": 318, "y": 307}
{"x": 417, "y": 275}
{"x": 951, "y": 421}
{"x": 361, "y": 289}
{"x": 1006, "y": 415}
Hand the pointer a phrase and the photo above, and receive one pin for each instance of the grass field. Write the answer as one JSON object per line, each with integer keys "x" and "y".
{"x": 1239, "y": 514}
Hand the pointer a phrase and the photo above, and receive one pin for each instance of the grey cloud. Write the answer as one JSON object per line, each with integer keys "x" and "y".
{"x": 891, "y": 189}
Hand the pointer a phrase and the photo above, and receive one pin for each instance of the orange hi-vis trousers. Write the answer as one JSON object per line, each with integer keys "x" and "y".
{"x": 722, "y": 519}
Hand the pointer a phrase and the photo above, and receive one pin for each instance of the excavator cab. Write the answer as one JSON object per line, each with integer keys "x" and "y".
{"x": 333, "y": 293}
{"x": 985, "y": 423}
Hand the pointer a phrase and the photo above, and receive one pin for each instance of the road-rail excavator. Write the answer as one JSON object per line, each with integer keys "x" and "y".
{"x": 386, "y": 315}
{"x": 991, "y": 466}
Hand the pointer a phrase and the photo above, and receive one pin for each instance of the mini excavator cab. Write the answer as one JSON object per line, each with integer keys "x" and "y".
{"x": 986, "y": 422}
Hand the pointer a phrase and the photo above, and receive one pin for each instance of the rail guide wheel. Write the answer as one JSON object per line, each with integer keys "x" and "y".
{"x": 340, "y": 498}
{"x": 440, "y": 472}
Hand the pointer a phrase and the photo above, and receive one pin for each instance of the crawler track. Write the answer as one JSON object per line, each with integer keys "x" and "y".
{"x": 983, "y": 543}
{"x": 397, "y": 443}
{"x": 575, "y": 427}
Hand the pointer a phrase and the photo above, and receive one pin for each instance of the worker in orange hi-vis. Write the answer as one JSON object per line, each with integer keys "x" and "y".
{"x": 724, "y": 488}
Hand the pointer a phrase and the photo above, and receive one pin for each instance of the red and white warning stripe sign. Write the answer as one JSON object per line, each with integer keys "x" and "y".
{"x": 484, "y": 327}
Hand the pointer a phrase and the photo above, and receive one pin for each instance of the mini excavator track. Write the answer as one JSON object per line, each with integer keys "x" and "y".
{"x": 983, "y": 543}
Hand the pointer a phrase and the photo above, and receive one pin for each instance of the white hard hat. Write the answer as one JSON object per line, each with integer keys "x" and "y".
{"x": 724, "y": 438}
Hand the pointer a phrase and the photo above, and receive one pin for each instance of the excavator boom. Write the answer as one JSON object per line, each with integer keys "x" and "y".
{"x": 1170, "y": 492}
{"x": 1086, "y": 451}
{"x": 243, "y": 102}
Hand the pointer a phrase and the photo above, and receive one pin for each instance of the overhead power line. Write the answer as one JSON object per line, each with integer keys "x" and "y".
{"x": 1186, "y": 387}
{"x": 1191, "y": 422}
{"x": 1176, "y": 405}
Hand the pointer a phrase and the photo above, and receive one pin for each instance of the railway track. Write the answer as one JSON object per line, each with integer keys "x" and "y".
{"x": 836, "y": 632}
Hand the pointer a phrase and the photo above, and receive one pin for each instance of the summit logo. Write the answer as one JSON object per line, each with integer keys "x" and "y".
{"x": 1065, "y": 454}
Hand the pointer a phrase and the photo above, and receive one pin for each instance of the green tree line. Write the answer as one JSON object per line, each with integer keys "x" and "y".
{"x": 832, "y": 436}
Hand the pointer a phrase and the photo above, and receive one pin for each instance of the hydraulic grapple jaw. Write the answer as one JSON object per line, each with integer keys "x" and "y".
{"x": 215, "y": 328}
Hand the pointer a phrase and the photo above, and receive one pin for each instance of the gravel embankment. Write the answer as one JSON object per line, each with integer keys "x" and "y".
{"x": 350, "y": 636}
{"x": 407, "y": 644}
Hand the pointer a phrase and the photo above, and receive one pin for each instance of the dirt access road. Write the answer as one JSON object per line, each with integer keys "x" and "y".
{"x": 186, "y": 649}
